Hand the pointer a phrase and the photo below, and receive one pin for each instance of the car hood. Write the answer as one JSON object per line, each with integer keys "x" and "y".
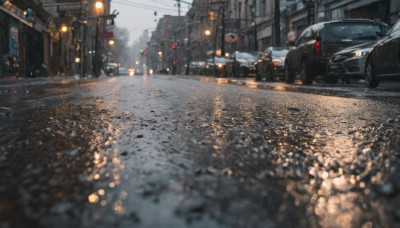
{"x": 364, "y": 46}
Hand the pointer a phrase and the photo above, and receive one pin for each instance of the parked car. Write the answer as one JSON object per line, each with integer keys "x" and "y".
{"x": 123, "y": 71}
{"x": 198, "y": 67}
{"x": 349, "y": 63}
{"x": 313, "y": 48}
{"x": 383, "y": 61}
{"x": 138, "y": 71}
{"x": 216, "y": 68}
{"x": 240, "y": 64}
{"x": 112, "y": 69}
{"x": 271, "y": 64}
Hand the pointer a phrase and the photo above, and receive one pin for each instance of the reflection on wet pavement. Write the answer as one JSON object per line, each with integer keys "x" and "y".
{"x": 124, "y": 151}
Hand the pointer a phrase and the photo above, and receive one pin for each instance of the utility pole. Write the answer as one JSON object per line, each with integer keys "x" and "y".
{"x": 255, "y": 25}
{"x": 97, "y": 55}
{"x": 178, "y": 2}
{"x": 316, "y": 18}
{"x": 189, "y": 54}
{"x": 222, "y": 9}
{"x": 277, "y": 23}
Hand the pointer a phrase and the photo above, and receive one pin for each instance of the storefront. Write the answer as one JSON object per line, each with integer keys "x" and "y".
{"x": 21, "y": 47}
{"x": 369, "y": 9}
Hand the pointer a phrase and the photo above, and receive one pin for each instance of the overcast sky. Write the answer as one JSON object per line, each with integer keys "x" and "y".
{"x": 138, "y": 15}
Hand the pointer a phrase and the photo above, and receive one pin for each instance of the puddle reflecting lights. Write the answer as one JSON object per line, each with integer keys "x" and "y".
{"x": 101, "y": 192}
{"x": 93, "y": 198}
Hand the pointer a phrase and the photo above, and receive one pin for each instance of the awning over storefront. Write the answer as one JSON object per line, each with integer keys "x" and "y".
{"x": 359, "y": 4}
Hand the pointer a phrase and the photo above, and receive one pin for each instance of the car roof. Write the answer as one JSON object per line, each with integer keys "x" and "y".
{"x": 353, "y": 20}
{"x": 276, "y": 49}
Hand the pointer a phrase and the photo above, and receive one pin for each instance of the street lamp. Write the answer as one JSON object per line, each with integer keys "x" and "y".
{"x": 99, "y": 4}
{"x": 207, "y": 32}
{"x": 111, "y": 42}
{"x": 96, "y": 65}
{"x": 63, "y": 30}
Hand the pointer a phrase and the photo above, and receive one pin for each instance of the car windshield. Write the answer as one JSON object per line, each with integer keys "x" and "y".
{"x": 279, "y": 53}
{"x": 247, "y": 55}
{"x": 348, "y": 32}
{"x": 220, "y": 59}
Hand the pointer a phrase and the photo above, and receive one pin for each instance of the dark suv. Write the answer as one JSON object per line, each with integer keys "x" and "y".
{"x": 383, "y": 61}
{"x": 315, "y": 45}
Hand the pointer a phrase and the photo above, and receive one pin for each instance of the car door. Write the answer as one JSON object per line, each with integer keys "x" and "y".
{"x": 386, "y": 56}
{"x": 301, "y": 48}
{"x": 394, "y": 49}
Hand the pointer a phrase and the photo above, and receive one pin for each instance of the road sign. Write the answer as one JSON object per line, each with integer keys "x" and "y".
{"x": 291, "y": 36}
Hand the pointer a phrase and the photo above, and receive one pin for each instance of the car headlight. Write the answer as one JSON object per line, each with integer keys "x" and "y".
{"x": 359, "y": 53}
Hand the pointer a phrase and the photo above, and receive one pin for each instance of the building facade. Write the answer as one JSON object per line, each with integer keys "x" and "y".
{"x": 51, "y": 37}
{"x": 23, "y": 28}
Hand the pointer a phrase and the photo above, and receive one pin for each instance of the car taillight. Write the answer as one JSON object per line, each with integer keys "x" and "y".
{"x": 276, "y": 62}
{"x": 317, "y": 47}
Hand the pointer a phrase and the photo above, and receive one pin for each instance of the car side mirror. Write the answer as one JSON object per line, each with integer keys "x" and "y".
{"x": 380, "y": 34}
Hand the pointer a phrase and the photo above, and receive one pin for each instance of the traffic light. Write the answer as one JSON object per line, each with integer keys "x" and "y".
{"x": 110, "y": 21}
{"x": 211, "y": 15}
{"x": 143, "y": 51}
{"x": 174, "y": 45}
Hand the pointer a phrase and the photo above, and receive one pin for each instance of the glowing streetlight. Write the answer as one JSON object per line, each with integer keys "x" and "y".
{"x": 207, "y": 32}
{"x": 160, "y": 53}
{"x": 111, "y": 42}
{"x": 64, "y": 28}
{"x": 77, "y": 60}
{"x": 99, "y": 5}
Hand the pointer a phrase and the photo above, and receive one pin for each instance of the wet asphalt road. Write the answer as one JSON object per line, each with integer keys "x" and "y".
{"x": 162, "y": 151}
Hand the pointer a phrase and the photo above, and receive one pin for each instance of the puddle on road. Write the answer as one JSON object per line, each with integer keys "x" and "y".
{"x": 329, "y": 165}
{"x": 222, "y": 161}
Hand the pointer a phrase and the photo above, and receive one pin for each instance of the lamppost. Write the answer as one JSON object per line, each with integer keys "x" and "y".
{"x": 190, "y": 20}
{"x": 63, "y": 30}
{"x": 207, "y": 33}
{"x": 110, "y": 50}
{"x": 96, "y": 64}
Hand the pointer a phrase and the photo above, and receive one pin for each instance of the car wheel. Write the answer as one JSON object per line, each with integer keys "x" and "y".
{"x": 289, "y": 76}
{"x": 244, "y": 72}
{"x": 258, "y": 76}
{"x": 306, "y": 74}
{"x": 370, "y": 79}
